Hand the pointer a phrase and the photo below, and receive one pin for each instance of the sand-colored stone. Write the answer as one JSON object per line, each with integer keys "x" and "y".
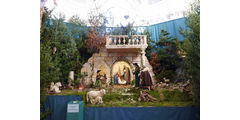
{"x": 112, "y": 54}
{"x": 129, "y": 58}
{"x": 105, "y": 60}
{"x": 136, "y": 59}
{"x": 132, "y": 54}
{"x": 103, "y": 54}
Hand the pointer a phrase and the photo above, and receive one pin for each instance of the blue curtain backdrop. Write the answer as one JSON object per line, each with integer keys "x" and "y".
{"x": 172, "y": 26}
{"x": 58, "y": 105}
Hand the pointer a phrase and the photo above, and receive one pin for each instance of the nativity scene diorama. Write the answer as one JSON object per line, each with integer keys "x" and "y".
{"x": 120, "y": 67}
{"x": 119, "y": 63}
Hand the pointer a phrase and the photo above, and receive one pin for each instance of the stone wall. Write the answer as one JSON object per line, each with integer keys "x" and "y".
{"x": 105, "y": 59}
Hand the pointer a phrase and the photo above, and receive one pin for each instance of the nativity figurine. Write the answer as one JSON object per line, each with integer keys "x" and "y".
{"x": 55, "y": 88}
{"x": 95, "y": 97}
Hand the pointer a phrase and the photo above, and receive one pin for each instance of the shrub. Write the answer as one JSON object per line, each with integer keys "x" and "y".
{"x": 175, "y": 95}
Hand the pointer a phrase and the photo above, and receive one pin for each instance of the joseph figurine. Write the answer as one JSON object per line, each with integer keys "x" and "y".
{"x": 146, "y": 78}
{"x": 126, "y": 74}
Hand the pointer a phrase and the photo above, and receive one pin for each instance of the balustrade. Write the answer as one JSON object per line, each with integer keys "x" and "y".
{"x": 125, "y": 41}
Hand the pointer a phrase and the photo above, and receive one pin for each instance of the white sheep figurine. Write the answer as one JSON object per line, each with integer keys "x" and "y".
{"x": 55, "y": 87}
{"x": 95, "y": 97}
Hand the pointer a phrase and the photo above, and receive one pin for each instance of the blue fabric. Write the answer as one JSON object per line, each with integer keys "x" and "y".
{"x": 172, "y": 27}
{"x": 141, "y": 113}
{"x": 58, "y": 105}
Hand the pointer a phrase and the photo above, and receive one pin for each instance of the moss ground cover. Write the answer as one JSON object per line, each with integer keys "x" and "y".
{"x": 129, "y": 98}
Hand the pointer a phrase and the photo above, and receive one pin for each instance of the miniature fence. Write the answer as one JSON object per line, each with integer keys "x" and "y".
{"x": 58, "y": 105}
{"x": 124, "y": 40}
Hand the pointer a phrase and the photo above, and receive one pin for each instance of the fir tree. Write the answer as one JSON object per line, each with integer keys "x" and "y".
{"x": 64, "y": 59}
{"x": 191, "y": 46}
{"x": 166, "y": 60}
{"x": 45, "y": 59}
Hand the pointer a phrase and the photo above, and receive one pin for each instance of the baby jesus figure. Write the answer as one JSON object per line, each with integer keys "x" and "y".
{"x": 120, "y": 81}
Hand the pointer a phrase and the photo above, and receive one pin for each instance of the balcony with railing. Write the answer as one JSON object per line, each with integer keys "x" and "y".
{"x": 125, "y": 43}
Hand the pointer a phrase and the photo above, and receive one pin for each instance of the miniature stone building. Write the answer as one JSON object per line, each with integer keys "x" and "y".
{"x": 119, "y": 52}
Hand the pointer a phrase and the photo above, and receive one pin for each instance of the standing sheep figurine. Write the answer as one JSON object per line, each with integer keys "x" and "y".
{"x": 95, "y": 97}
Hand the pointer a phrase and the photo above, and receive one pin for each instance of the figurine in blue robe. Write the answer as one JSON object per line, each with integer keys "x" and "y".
{"x": 115, "y": 79}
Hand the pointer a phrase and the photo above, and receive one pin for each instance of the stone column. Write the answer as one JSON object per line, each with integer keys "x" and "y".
{"x": 143, "y": 57}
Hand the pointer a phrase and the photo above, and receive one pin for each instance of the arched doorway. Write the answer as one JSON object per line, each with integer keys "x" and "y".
{"x": 121, "y": 69}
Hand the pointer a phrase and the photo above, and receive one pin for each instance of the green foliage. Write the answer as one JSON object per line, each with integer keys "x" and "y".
{"x": 192, "y": 48}
{"x": 64, "y": 59}
{"x": 45, "y": 54}
{"x": 168, "y": 59}
{"x": 45, "y": 59}
{"x": 175, "y": 95}
{"x": 62, "y": 49}
{"x": 170, "y": 98}
{"x": 69, "y": 41}
{"x": 124, "y": 30}
{"x": 150, "y": 47}
{"x": 171, "y": 95}
{"x": 134, "y": 90}
{"x": 79, "y": 33}
{"x": 117, "y": 99}
{"x": 111, "y": 81}
{"x": 71, "y": 92}
{"x": 133, "y": 82}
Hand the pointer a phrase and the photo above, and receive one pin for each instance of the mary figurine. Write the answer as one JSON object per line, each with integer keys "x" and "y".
{"x": 115, "y": 79}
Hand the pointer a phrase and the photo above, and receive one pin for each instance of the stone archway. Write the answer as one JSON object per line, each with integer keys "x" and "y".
{"x": 118, "y": 66}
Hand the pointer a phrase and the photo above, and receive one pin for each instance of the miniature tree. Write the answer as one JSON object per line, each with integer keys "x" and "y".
{"x": 45, "y": 60}
{"x": 191, "y": 46}
{"x": 64, "y": 59}
{"x": 166, "y": 60}
{"x": 79, "y": 31}
{"x": 96, "y": 34}
{"x": 155, "y": 64}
